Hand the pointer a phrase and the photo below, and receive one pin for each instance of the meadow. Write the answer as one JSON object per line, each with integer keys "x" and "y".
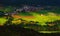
{"x": 41, "y": 17}
{"x": 32, "y": 16}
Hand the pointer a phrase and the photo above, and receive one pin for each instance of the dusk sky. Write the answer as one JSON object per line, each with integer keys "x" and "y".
{"x": 30, "y": 2}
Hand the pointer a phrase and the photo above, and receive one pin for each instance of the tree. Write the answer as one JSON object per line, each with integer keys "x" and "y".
{"x": 2, "y": 13}
{"x": 8, "y": 9}
{"x": 9, "y": 22}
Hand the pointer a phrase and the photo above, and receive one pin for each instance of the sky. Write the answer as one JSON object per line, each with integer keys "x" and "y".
{"x": 31, "y": 2}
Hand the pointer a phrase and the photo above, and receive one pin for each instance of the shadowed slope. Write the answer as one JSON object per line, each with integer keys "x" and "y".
{"x": 17, "y": 31}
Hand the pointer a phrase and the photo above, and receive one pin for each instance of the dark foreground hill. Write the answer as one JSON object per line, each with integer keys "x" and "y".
{"x": 17, "y": 31}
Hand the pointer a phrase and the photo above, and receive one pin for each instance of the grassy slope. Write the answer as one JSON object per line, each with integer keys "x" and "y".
{"x": 33, "y": 16}
{"x": 2, "y": 20}
{"x": 49, "y": 17}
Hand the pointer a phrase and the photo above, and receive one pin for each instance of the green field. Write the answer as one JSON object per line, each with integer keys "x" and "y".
{"x": 2, "y": 21}
{"x": 42, "y": 17}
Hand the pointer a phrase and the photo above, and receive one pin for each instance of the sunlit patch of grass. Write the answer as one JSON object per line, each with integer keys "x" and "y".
{"x": 41, "y": 18}
{"x": 2, "y": 21}
{"x": 16, "y": 22}
{"x": 49, "y": 31}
